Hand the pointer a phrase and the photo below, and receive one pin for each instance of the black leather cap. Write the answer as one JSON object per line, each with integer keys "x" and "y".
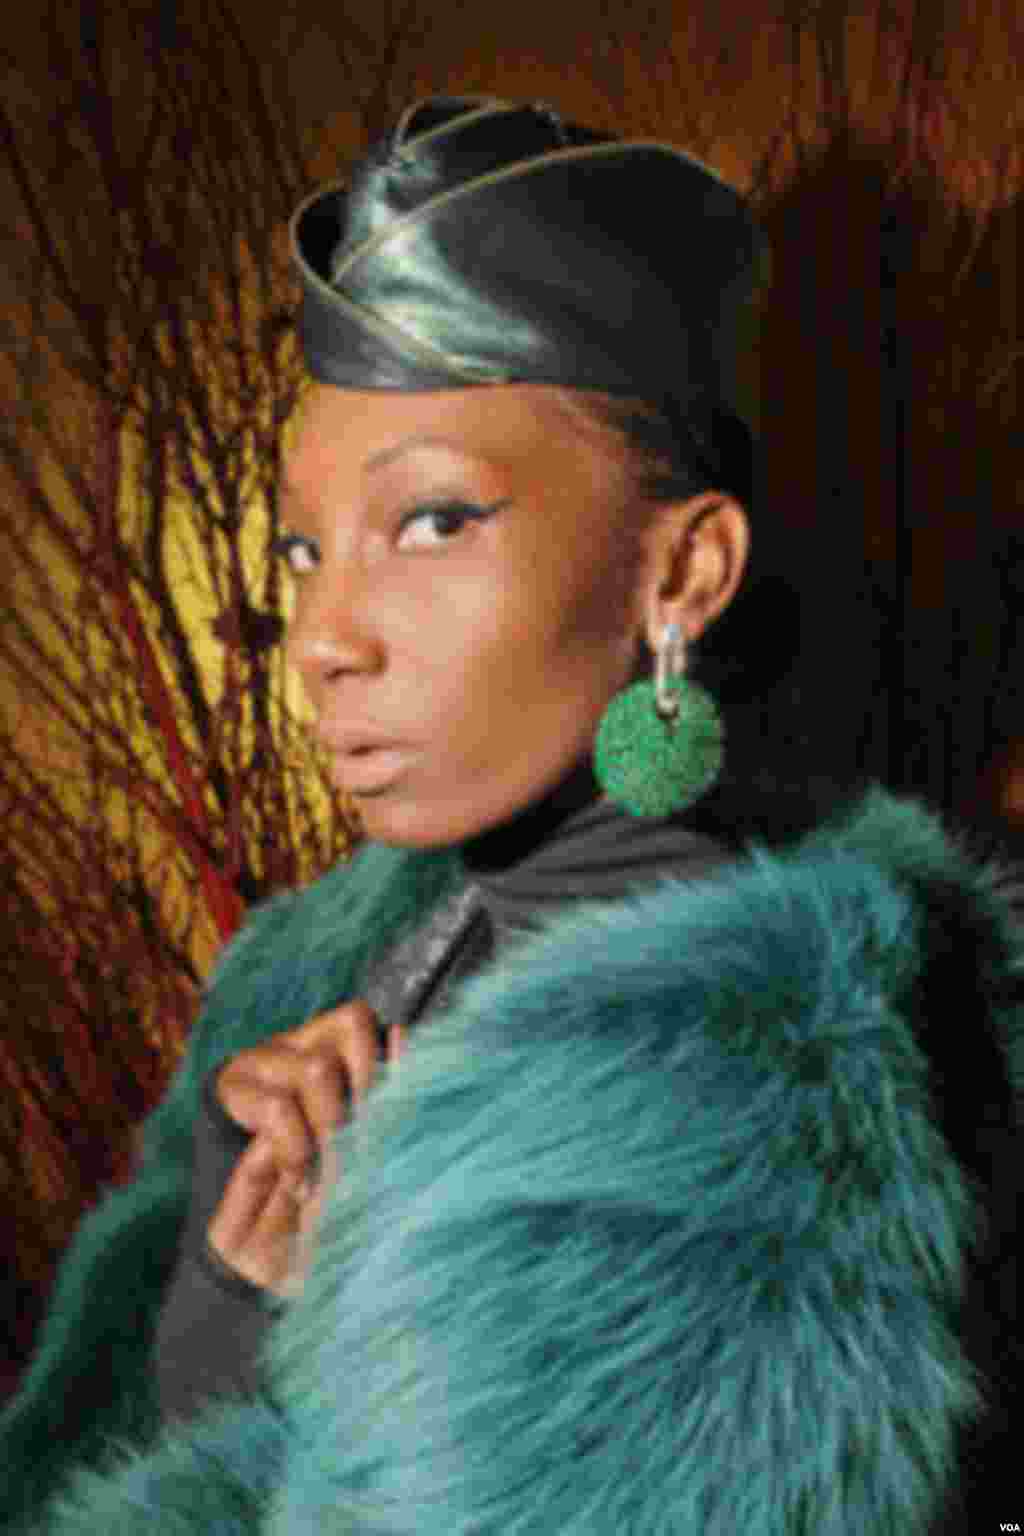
{"x": 484, "y": 243}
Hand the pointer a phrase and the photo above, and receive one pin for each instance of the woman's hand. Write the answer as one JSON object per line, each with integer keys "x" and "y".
{"x": 291, "y": 1092}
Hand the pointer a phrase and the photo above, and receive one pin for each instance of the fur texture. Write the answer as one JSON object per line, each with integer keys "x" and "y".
{"x": 88, "y": 1381}
{"x": 661, "y": 1227}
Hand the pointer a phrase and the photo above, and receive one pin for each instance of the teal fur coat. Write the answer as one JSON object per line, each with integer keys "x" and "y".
{"x": 661, "y": 1227}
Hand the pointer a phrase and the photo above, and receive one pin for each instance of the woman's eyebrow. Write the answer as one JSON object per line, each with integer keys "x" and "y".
{"x": 288, "y": 490}
{"x": 418, "y": 440}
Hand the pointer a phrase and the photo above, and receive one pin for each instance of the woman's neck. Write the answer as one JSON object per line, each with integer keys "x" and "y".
{"x": 514, "y": 840}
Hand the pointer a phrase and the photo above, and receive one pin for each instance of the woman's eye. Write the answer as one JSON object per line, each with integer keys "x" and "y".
{"x": 449, "y": 519}
{"x": 300, "y": 554}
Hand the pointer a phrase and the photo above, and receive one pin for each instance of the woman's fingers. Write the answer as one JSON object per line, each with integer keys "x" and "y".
{"x": 255, "y": 1227}
{"x": 348, "y": 1035}
{"x": 294, "y": 1088}
{"x": 267, "y": 1101}
{"x": 291, "y": 1093}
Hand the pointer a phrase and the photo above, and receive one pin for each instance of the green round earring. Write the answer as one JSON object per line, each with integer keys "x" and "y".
{"x": 659, "y": 745}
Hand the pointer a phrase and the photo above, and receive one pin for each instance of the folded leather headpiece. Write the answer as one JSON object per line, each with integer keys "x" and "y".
{"x": 486, "y": 243}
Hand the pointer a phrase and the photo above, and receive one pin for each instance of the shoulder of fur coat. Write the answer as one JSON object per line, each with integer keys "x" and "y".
{"x": 662, "y": 1227}
{"x": 89, "y": 1380}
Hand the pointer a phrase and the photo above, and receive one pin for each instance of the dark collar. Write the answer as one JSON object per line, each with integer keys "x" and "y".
{"x": 576, "y": 844}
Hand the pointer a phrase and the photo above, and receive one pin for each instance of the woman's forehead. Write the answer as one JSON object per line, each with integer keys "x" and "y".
{"x": 356, "y": 428}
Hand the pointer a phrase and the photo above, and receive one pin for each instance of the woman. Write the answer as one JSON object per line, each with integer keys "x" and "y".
{"x": 662, "y": 1221}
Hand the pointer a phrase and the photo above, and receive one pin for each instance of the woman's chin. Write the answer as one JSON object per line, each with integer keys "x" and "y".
{"x": 403, "y": 821}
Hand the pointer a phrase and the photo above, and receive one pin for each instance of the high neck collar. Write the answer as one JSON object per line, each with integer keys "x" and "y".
{"x": 577, "y": 844}
{"x": 517, "y": 840}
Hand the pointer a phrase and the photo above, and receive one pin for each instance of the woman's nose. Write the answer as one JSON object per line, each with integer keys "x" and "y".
{"x": 324, "y": 639}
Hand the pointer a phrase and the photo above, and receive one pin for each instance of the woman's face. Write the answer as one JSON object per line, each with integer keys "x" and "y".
{"x": 459, "y": 594}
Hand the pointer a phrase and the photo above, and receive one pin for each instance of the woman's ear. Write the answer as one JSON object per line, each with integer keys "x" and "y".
{"x": 700, "y": 552}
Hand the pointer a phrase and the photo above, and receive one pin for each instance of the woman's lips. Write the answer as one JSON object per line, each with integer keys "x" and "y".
{"x": 371, "y": 769}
